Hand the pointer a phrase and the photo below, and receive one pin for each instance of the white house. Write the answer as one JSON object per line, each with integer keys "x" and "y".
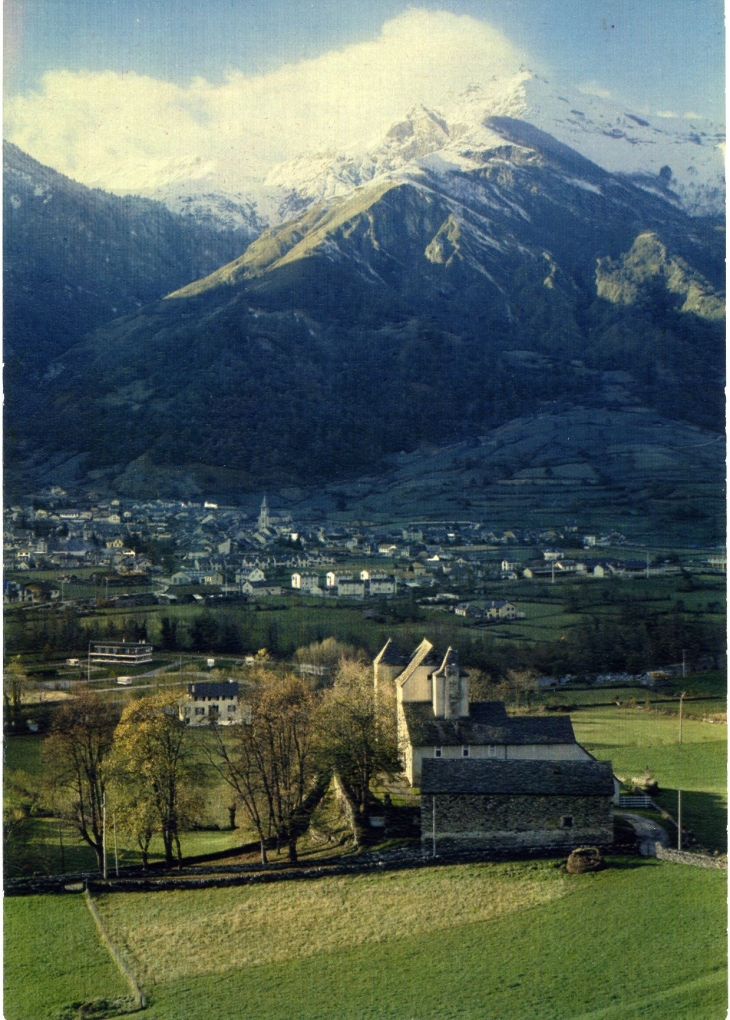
{"x": 304, "y": 582}
{"x": 213, "y": 704}
{"x": 382, "y": 585}
{"x": 132, "y": 652}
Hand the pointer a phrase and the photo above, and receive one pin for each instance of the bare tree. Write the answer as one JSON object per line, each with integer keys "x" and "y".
{"x": 76, "y": 754}
{"x": 15, "y": 685}
{"x": 270, "y": 760}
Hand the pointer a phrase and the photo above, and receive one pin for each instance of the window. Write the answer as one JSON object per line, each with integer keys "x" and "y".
{"x": 437, "y": 752}
{"x": 567, "y": 821}
{"x": 492, "y": 752}
{"x": 465, "y": 752}
{"x": 200, "y": 711}
{"x": 231, "y": 708}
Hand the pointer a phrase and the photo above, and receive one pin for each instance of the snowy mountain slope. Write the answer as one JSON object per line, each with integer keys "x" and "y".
{"x": 678, "y": 158}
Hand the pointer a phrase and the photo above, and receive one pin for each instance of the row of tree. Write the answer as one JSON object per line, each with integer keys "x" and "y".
{"x": 636, "y": 638}
{"x": 153, "y": 771}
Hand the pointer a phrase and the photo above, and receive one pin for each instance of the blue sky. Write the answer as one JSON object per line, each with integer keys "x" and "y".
{"x": 666, "y": 53}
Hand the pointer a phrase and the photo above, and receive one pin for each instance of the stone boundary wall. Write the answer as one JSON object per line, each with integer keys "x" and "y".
{"x": 394, "y": 860}
{"x": 683, "y": 857}
{"x": 124, "y": 968}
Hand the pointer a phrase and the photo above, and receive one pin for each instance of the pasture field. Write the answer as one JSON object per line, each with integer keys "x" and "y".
{"x": 635, "y": 740}
{"x": 52, "y": 957}
{"x": 643, "y": 940}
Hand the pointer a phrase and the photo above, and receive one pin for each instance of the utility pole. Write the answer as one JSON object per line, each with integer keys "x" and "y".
{"x": 433, "y": 822}
{"x": 103, "y": 831}
{"x": 116, "y": 855}
{"x": 679, "y": 819}
{"x": 681, "y": 702}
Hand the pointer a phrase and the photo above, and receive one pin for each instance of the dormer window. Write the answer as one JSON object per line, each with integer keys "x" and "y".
{"x": 465, "y": 751}
{"x": 492, "y": 752}
{"x": 438, "y": 752}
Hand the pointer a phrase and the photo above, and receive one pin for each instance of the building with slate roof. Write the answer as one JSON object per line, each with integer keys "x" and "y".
{"x": 436, "y": 720}
{"x": 209, "y": 703}
{"x": 515, "y": 805}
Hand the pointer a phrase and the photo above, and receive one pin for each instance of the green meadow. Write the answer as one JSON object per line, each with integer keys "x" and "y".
{"x": 636, "y": 740}
{"x": 642, "y": 940}
{"x": 53, "y": 956}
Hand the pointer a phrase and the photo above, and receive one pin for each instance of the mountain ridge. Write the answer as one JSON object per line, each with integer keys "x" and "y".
{"x": 424, "y": 307}
{"x": 678, "y": 158}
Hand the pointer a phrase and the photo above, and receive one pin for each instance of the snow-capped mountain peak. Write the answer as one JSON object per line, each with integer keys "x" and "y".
{"x": 678, "y": 157}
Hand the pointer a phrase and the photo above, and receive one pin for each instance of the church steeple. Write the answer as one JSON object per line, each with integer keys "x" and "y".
{"x": 264, "y": 522}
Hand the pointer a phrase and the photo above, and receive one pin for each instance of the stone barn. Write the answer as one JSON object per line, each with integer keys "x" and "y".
{"x": 515, "y": 805}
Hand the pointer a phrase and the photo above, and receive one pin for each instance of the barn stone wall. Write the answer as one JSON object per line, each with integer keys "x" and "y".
{"x": 502, "y": 822}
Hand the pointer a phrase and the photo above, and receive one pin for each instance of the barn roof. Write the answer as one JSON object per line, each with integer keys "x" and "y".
{"x": 487, "y": 723}
{"x": 555, "y": 778}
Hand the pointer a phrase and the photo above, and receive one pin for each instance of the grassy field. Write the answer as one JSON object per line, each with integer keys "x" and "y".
{"x": 512, "y": 941}
{"x": 44, "y": 845}
{"x": 635, "y": 740}
{"x": 53, "y": 957}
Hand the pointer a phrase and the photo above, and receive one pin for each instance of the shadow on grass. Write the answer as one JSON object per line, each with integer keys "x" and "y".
{"x": 703, "y": 814}
{"x": 629, "y": 863}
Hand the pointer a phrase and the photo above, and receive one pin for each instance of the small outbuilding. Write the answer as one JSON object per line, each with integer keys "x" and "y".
{"x": 515, "y": 805}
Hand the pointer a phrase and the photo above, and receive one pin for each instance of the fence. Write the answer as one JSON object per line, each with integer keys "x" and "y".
{"x": 636, "y": 800}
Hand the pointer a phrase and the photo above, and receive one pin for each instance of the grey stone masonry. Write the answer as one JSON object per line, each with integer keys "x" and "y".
{"x": 683, "y": 857}
{"x": 465, "y": 821}
{"x": 500, "y": 805}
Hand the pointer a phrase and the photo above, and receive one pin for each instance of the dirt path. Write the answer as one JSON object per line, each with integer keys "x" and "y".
{"x": 648, "y": 831}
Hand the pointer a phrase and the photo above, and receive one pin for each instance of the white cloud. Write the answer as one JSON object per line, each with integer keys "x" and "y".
{"x": 594, "y": 88}
{"x": 129, "y": 132}
{"x": 667, "y": 114}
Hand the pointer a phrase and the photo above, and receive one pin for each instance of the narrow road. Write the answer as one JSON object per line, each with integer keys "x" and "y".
{"x": 648, "y": 831}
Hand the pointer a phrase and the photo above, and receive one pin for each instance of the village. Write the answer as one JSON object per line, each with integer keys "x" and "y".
{"x": 161, "y": 552}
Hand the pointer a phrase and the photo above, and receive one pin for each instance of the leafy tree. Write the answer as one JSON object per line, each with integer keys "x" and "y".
{"x": 136, "y": 814}
{"x": 168, "y": 634}
{"x": 15, "y": 684}
{"x": 204, "y": 633}
{"x": 154, "y": 760}
{"x": 76, "y": 754}
{"x": 270, "y": 762}
{"x": 357, "y": 735}
{"x": 328, "y": 653}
